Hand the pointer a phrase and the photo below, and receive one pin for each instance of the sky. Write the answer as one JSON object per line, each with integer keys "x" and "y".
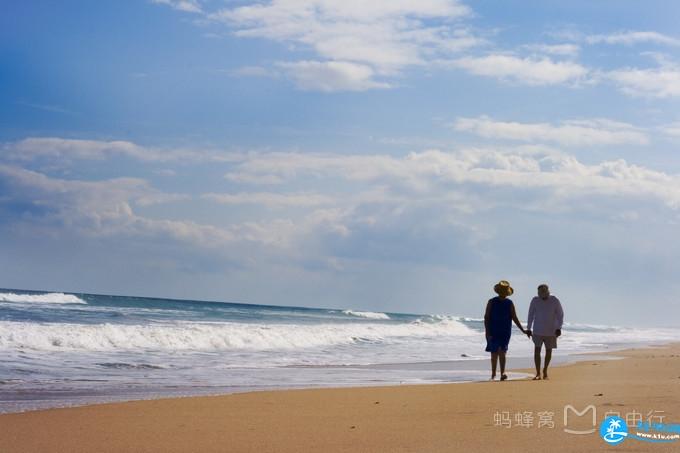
{"x": 399, "y": 155}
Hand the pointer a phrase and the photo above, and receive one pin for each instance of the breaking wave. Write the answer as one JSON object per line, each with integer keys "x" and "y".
{"x": 49, "y": 298}
{"x": 366, "y": 314}
{"x": 187, "y": 336}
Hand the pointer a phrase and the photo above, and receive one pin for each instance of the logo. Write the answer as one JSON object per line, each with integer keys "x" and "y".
{"x": 568, "y": 408}
{"x": 614, "y": 430}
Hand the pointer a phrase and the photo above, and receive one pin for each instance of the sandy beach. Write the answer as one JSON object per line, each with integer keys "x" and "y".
{"x": 413, "y": 418}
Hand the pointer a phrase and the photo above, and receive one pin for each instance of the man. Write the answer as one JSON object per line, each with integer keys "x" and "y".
{"x": 546, "y": 318}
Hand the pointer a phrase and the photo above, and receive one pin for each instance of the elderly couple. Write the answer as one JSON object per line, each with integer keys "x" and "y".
{"x": 545, "y": 314}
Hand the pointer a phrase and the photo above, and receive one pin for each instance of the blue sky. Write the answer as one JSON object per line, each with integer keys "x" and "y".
{"x": 392, "y": 156}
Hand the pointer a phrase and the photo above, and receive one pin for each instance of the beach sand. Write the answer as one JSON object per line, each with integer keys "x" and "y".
{"x": 408, "y": 418}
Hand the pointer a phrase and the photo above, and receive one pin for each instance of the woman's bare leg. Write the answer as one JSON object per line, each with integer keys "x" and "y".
{"x": 494, "y": 361}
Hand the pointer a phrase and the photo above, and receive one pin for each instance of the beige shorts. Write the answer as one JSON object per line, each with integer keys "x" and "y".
{"x": 550, "y": 342}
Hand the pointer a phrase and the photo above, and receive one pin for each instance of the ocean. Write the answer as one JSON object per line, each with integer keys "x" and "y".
{"x": 60, "y": 349}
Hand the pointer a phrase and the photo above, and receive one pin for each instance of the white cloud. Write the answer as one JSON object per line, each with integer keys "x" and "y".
{"x": 61, "y": 149}
{"x": 270, "y": 199}
{"x": 417, "y": 173}
{"x": 671, "y": 130}
{"x": 157, "y": 197}
{"x": 662, "y": 82}
{"x": 633, "y": 37}
{"x": 527, "y": 71}
{"x": 359, "y": 46}
{"x": 429, "y": 172}
{"x": 422, "y": 207}
{"x": 108, "y": 208}
{"x": 100, "y": 207}
{"x": 332, "y": 76}
{"x": 380, "y": 37}
{"x": 568, "y": 50}
{"x": 388, "y": 35}
{"x": 188, "y": 6}
{"x": 569, "y": 133}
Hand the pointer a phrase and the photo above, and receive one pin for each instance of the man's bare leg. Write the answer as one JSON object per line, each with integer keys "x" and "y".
{"x": 537, "y": 362}
{"x": 548, "y": 356}
{"x": 494, "y": 361}
{"x": 501, "y": 357}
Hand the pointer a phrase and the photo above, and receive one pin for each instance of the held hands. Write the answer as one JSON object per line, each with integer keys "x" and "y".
{"x": 558, "y": 332}
{"x": 528, "y": 333}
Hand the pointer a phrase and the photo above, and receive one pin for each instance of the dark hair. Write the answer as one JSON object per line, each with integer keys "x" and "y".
{"x": 542, "y": 285}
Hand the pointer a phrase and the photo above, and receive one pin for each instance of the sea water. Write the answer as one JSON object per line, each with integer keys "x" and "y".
{"x": 61, "y": 349}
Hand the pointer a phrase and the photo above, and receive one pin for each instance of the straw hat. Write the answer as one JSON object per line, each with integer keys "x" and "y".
{"x": 503, "y": 288}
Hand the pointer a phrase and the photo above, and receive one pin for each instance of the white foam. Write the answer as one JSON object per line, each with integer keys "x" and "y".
{"x": 366, "y": 314}
{"x": 48, "y": 298}
{"x": 214, "y": 336}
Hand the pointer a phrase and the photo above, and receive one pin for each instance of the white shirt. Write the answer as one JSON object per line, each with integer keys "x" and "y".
{"x": 545, "y": 315}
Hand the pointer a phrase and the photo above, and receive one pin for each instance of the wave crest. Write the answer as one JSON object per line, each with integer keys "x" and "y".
{"x": 366, "y": 314}
{"x": 47, "y": 298}
{"x": 187, "y": 336}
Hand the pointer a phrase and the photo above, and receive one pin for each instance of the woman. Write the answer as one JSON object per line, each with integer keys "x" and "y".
{"x": 500, "y": 313}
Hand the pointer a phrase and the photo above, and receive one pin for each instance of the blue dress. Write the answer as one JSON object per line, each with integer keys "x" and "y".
{"x": 500, "y": 324}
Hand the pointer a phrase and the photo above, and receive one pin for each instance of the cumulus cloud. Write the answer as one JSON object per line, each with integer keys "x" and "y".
{"x": 89, "y": 206}
{"x": 108, "y": 208}
{"x": 35, "y": 203}
{"x": 430, "y": 206}
{"x": 588, "y": 132}
{"x": 552, "y": 174}
{"x": 662, "y": 82}
{"x": 526, "y": 71}
{"x": 358, "y": 46}
{"x": 386, "y": 35}
{"x": 331, "y": 76}
{"x": 350, "y": 41}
